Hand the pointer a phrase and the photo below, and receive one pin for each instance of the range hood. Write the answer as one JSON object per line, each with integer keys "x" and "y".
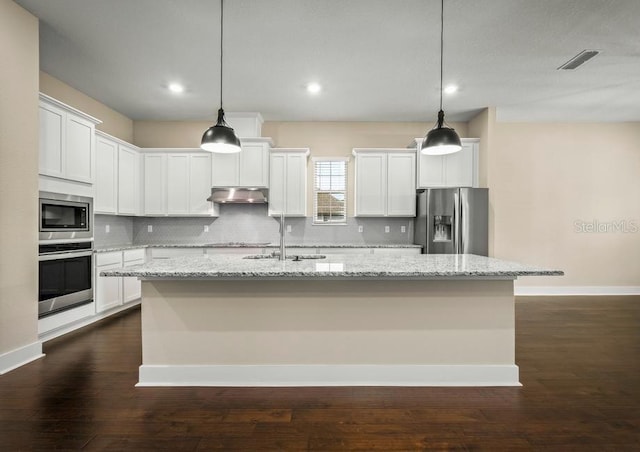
{"x": 238, "y": 195}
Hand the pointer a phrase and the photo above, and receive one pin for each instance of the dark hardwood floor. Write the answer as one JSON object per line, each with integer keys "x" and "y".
{"x": 579, "y": 361}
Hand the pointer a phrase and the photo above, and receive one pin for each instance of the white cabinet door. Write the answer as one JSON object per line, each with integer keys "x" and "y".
{"x": 226, "y": 170}
{"x": 371, "y": 175}
{"x": 200, "y": 184}
{"x": 106, "y": 176}
{"x": 131, "y": 287}
{"x": 128, "y": 182}
{"x": 254, "y": 165}
{"x": 79, "y": 149}
{"x": 431, "y": 171}
{"x": 401, "y": 192}
{"x": 296, "y": 188}
{"x": 277, "y": 186}
{"x": 52, "y": 130}
{"x": 108, "y": 289}
{"x": 459, "y": 167}
{"x": 178, "y": 184}
{"x": 453, "y": 170}
{"x": 154, "y": 184}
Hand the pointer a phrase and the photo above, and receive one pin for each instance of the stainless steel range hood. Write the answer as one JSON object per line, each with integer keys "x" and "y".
{"x": 238, "y": 195}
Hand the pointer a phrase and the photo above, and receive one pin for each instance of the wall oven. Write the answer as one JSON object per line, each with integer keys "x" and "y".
{"x": 65, "y": 217}
{"x": 65, "y": 257}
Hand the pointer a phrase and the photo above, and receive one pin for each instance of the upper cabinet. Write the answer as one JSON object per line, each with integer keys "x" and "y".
{"x": 248, "y": 168}
{"x": 66, "y": 141}
{"x": 385, "y": 182}
{"x": 288, "y": 181}
{"x": 177, "y": 182}
{"x": 117, "y": 181}
{"x": 453, "y": 170}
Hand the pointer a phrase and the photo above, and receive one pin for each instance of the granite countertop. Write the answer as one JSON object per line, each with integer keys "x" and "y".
{"x": 109, "y": 248}
{"x": 434, "y": 266}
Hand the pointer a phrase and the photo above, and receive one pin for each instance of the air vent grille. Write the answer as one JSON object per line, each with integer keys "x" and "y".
{"x": 578, "y": 60}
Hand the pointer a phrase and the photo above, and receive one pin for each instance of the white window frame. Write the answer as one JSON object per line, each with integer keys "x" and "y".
{"x": 316, "y": 221}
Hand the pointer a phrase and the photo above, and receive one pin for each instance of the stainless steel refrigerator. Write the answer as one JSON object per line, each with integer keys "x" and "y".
{"x": 453, "y": 221}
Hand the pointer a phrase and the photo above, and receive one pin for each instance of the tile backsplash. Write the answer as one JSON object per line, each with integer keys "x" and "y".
{"x": 247, "y": 223}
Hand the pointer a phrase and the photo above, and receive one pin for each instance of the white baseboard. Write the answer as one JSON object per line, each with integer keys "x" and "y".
{"x": 523, "y": 291}
{"x": 20, "y": 356}
{"x": 329, "y": 375}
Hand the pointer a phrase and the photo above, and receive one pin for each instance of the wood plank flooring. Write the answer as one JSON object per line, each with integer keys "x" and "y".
{"x": 579, "y": 361}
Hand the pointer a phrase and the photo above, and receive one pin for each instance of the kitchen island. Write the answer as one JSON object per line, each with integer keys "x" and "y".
{"x": 423, "y": 320}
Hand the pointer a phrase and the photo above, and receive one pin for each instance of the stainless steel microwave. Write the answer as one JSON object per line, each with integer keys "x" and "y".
{"x": 65, "y": 217}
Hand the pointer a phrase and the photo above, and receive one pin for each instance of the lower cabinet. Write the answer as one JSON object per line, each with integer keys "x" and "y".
{"x": 113, "y": 292}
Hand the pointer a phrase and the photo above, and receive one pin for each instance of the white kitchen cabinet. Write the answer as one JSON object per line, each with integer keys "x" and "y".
{"x": 112, "y": 292}
{"x": 288, "y": 181}
{"x": 117, "y": 183}
{"x": 128, "y": 180}
{"x": 453, "y": 170}
{"x": 106, "y": 199}
{"x": 155, "y": 184}
{"x": 248, "y": 168}
{"x": 131, "y": 287}
{"x": 385, "y": 182}
{"x": 108, "y": 292}
{"x": 66, "y": 141}
{"x": 177, "y": 183}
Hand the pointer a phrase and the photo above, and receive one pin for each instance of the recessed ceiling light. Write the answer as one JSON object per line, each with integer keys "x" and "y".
{"x": 314, "y": 88}
{"x": 176, "y": 88}
{"x": 450, "y": 89}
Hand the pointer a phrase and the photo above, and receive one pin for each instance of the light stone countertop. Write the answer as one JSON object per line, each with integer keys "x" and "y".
{"x": 339, "y": 266}
{"x": 110, "y": 248}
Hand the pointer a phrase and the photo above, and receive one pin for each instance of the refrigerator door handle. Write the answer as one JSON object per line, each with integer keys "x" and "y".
{"x": 456, "y": 223}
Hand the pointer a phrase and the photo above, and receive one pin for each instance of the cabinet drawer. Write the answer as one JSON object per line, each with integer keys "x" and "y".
{"x": 103, "y": 259}
{"x": 134, "y": 255}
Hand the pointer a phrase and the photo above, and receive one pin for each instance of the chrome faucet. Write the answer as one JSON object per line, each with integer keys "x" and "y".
{"x": 283, "y": 254}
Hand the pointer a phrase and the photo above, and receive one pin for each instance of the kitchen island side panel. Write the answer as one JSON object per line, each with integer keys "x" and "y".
{"x": 204, "y": 323}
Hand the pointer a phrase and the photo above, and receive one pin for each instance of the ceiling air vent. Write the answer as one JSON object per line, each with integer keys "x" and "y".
{"x": 578, "y": 60}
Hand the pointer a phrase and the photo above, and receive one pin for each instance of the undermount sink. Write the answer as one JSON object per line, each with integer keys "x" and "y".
{"x": 293, "y": 257}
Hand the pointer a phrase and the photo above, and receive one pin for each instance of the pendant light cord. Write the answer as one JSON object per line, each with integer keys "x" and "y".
{"x": 441, "y": 47}
{"x": 221, "y": 49}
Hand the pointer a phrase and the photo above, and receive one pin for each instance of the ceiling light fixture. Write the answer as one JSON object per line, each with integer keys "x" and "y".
{"x": 220, "y": 138}
{"x": 441, "y": 140}
{"x": 450, "y": 89}
{"x": 176, "y": 88}
{"x": 314, "y": 88}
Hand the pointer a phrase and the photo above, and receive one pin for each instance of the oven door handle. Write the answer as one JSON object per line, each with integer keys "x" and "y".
{"x": 64, "y": 255}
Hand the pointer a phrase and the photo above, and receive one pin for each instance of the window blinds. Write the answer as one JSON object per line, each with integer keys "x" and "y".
{"x": 330, "y": 191}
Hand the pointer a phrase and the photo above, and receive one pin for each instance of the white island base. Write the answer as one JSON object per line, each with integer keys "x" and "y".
{"x": 248, "y": 332}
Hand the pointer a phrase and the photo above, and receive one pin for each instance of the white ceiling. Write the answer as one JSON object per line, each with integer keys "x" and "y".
{"x": 376, "y": 59}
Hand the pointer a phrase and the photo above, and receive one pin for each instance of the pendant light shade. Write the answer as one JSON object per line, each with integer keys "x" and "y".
{"x": 220, "y": 138}
{"x": 441, "y": 140}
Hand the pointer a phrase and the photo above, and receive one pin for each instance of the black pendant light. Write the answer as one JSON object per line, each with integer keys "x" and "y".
{"x": 441, "y": 140}
{"x": 220, "y": 138}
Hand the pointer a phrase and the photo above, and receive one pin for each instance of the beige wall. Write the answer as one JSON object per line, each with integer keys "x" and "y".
{"x": 546, "y": 177}
{"x": 113, "y": 122}
{"x": 18, "y": 177}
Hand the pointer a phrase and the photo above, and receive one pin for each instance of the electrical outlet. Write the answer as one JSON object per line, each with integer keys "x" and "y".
{"x": 403, "y": 229}
{"x": 107, "y": 228}
{"x": 386, "y": 229}
{"x": 288, "y": 228}
{"x": 206, "y": 228}
{"x": 149, "y": 228}
{"x": 360, "y": 228}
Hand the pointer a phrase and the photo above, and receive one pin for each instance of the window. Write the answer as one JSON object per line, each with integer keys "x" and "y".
{"x": 330, "y": 191}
